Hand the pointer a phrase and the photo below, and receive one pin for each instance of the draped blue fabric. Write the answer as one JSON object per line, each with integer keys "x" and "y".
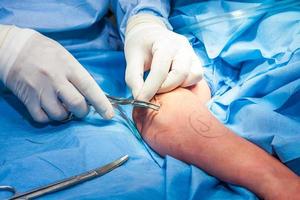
{"x": 251, "y": 64}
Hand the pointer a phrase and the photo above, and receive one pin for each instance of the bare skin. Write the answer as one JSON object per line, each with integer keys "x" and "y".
{"x": 185, "y": 129}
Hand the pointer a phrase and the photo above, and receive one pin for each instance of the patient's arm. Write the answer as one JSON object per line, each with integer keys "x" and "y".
{"x": 185, "y": 129}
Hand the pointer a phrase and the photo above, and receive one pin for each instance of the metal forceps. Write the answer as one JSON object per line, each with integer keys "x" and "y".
{"x": 65, "y": 183}
{"x": 135, "y": 103}
{"x": 118, "y": 101}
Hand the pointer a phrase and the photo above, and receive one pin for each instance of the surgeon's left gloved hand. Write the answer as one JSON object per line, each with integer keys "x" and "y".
{"x": 46, "y": 77}
{"x": 149, "y": 44}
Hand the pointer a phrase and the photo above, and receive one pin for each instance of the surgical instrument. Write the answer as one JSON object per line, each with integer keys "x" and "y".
{"x": 118, "y": 101}
{"x": 135, "y": 103}
{"x": 66, "y": 183}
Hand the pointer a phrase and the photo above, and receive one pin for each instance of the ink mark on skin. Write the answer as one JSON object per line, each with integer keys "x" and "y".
{"x": 200, "y": 126}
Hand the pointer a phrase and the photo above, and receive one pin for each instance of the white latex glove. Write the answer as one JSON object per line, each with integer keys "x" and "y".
{"x": 46, "y": 77}
{"x": 169, "y": 56}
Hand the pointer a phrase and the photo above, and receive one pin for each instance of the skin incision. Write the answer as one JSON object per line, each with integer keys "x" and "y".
{"x": 201, "y": 126}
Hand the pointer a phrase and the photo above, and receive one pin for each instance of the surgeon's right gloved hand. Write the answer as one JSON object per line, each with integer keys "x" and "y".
{"x": 169, "y": 57}
{"x": 46, "y": 77}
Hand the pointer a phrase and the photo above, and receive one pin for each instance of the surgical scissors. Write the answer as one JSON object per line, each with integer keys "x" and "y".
{"x": 66, "y": 183}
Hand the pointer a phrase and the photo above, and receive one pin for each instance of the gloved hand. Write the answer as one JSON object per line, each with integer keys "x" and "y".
{"x": 46, "y": 77}
{"x": 169, "y": 56}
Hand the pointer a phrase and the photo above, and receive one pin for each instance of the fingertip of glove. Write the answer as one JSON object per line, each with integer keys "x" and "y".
{"x": 109, "y": 114}
{"x": 144, "y": 97}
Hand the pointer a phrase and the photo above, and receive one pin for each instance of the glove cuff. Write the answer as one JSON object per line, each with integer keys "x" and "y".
{"x": 144, "y": 19}
{"x": 12, "y": 41}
